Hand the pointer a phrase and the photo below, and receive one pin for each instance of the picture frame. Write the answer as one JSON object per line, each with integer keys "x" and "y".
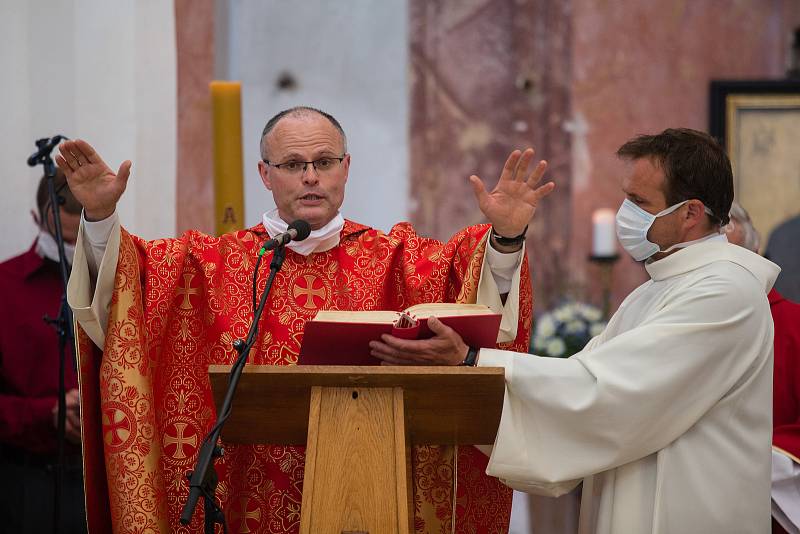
{"x": 758, "y": 123}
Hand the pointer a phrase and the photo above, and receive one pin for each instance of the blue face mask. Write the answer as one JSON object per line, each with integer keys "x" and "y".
{"x": 633, "y": 223}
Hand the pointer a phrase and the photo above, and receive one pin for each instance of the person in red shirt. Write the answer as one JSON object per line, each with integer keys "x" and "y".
{"x": 30, "y": 288}
{"x": 786, "y": 389}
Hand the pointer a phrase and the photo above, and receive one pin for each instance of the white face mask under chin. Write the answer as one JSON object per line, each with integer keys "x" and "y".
{"x": 633, "y": 223}
{"x": 318, "y": 241}
{"x": 47, "y": 247}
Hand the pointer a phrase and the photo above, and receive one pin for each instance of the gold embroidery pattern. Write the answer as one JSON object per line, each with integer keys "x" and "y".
{"x": 132, "y": 452}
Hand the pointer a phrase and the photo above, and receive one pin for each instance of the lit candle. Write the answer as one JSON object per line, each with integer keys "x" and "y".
{"x": 604, "y": 234}
{"x": 226, "y": 110}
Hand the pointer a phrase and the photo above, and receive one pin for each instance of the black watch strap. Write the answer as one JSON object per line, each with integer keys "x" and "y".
{"x": 472, "y": 357}
{"x": 509, "y": 241}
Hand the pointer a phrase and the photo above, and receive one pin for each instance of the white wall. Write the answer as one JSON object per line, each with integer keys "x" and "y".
{"x": 349, "y": 59}
{"x": 102, "y": 71}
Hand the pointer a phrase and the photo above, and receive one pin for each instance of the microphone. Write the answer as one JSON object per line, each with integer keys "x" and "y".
{"x": 45, "y": 145}
{"x": 297, "y": 231}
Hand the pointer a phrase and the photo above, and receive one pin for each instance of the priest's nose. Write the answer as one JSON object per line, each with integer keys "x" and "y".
{"x": 310, "y": 175}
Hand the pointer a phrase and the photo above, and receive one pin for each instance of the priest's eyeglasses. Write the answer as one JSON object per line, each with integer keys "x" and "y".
{"x": 323, "y": 164}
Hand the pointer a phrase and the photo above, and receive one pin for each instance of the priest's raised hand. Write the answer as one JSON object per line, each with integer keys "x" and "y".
{"x": 91, "y": 180}
{"x": 510, "y": 206}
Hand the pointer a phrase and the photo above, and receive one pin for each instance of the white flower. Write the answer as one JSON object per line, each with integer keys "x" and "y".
{"x": 592, "y": 314}
{"x": 574, "y": 327}
{"x": 545, "y": 327}
{"x": 540, "y": 342}
{"x": 564, "y": 313}
{"x": 596, "y": 328}
{"x": 556, "y": 347}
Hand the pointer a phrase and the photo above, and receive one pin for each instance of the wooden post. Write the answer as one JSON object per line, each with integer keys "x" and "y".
{"x": 356, "y": 477}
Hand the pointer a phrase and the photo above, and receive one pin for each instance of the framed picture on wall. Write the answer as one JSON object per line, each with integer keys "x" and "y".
{"x": 758, "y": 122}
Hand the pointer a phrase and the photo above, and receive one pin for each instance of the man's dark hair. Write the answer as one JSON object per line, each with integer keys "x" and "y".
{"x": 299, "y": 111}
{"x": 695, "y": 167}
{"x": 70, "y": 204}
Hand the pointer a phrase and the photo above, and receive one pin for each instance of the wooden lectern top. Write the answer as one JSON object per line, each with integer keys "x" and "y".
{"x": 443, "y": 405}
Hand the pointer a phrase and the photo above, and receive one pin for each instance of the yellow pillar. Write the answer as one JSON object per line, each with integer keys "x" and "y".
{"x": 226, "y": 110}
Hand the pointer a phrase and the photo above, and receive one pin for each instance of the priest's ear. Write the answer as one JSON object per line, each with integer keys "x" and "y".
{"x": 346, "y": 165}
{"x": 264, "y": 171}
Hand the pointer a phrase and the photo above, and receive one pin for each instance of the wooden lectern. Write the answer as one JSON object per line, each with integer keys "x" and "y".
{"x": 358, "y": 424}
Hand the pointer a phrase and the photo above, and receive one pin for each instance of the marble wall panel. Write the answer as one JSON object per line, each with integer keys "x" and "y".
{"x": 489, "y": 76}
{"x": 194, "y": 35}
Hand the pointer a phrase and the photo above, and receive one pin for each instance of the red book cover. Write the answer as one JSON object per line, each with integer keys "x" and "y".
{"x": 343, "y": 341}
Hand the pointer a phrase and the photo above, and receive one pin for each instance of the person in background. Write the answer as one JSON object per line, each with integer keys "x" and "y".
{"x": 782, "y": 249}
{"x": 785, "y": 392}
{"x": 30, "y": 288}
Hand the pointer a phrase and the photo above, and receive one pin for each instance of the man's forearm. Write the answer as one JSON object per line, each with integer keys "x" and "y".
{"x": 503, "y": 264}
{"x": 500, "y": 291}
{"x": 91, "y": 284}
{"x": 96, "y": 234}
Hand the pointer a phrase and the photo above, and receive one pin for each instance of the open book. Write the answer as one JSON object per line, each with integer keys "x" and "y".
{"x": 342, "y": 337}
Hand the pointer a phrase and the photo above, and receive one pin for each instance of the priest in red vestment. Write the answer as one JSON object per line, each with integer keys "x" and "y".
{"x": 164, "y": 310}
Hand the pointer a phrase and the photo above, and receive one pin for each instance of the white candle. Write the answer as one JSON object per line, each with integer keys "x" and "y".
{"x": 604, "y": 234}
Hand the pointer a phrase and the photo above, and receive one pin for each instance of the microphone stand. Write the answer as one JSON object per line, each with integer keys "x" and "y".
{"x": 62, "y": 323}
{"x": 203, "y": 480}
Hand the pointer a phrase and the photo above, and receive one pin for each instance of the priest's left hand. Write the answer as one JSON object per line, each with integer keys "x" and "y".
{"x": 445, "y": 348}
{"x": 511, "y": 204}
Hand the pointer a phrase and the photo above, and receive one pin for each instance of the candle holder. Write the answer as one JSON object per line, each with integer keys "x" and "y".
{"x": 606, "y": 264}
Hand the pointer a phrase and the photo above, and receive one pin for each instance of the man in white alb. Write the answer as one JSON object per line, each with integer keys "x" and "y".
{"x": 666, "y": 415}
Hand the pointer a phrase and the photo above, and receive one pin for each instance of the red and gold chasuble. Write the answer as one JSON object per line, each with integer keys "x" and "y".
{"x": 178, "y": 304}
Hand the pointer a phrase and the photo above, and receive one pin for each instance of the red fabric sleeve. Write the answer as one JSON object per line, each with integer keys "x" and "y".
{"x": 786, "y": 389}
